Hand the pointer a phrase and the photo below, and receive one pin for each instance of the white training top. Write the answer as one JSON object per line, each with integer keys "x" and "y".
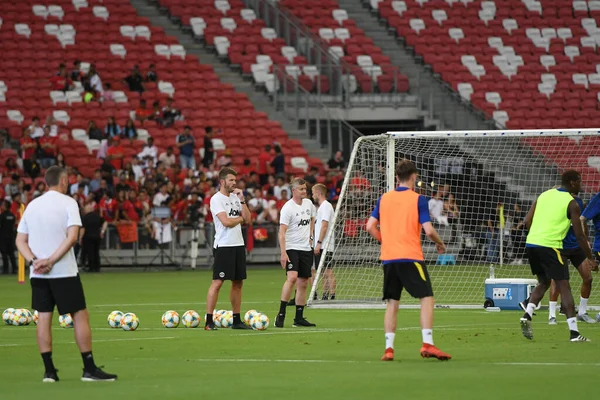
{"x": 45, "y": 221}
{"x": 297, "y": 218}
{"x": 324, "y": 213}
{"x": 231, "y": 206}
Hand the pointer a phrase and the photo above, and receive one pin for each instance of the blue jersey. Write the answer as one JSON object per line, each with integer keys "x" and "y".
{"x": 570, "y": 241}
{"x": 592, "y": 212}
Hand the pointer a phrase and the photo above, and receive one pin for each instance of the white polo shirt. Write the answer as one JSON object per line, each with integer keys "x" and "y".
{"x": 231, "y": 206}
{"x": 297, "y": 218}
{"x": 324, "y": 213}
{"x": 45, "y": 221}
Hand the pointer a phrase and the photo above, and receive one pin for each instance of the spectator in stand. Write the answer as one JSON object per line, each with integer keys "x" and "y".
{"x": 7, "y": 238}
{"x": 115, "y": 153}
{"x": 257, "y": 204}
{"x": 47, "y": 146}
{"x": 264, "y": 160}
{"x": 15, "y": 206}
{"x": 28, "y": 147}
{"x": 149, "y": 152}
{"x": 40, "y": 189}
{"x": 209, "y": 150}
{"x": 94, "y": 132}
{"x": 245, "y": 169}
{"x": 311, "y": 177}
{"x": 61, "y": 80}
{"x": 151, "y": 75}
{"x": 168, "y": 158}
{"x": 108, "y": 207}
{"x": 101, "y": 154}
{"x": 225, "y": 160}
{"x": 12, "y": 187}
{"x": 32, "y": 167}
{"x": 35, "y": 130}
{"x": 60, "y": 160}
{"x": 156, "y": 113}
{"x": 284, "y": 198}
{"x": 169, "y": 113}
{"x": 518, "y": 233}
{"x": 253, "y": 182}
{"x": 186, "y": 143}
{"x": 129, "y": 131}
{"x": 91, "y": 233}
{"x": 142, "y": 113}
{"x": 11, "y": 166}
{"x": 108, "y": 94}
{"x": 79, "y": 186}
{"x": 436, "y": 209}
{"x": 134, "y": 80}
{"x": 278, "y": 162}
{"x": 280, "y": 186}
{"x": 51, "y": 123}
{"x": 161, "y": 197}
{"x": 136, "y": 168}
{"x": 95, "y": 81}
{"x": 337, "y": 161}
{"x": 95, "y": 183}
{"x": 76, "y": 71}
{"x": 112, "y": 128}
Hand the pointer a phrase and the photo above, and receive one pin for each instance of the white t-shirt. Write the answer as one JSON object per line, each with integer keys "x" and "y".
{"x": 159, "y": 198}
{"x": 324, "y": 213}
{"x": 297, "y": 218}
{"x": 162, "y": 232}
{"x": 45, "y": 221}
{"x": 231, "y": 206}
{"x": 37, "y": 132}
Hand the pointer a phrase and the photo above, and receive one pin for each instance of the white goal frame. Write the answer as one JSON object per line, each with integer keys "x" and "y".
{"x": 392, "y": 138}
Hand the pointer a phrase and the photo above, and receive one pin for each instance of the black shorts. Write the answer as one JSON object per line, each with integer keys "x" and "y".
{"x": 547, "y": 263}
{"x": 301, "y": 261}
{"x": 64, "y": 293}
{"x": 327, "y": 263}
{"x": 597, "y": 255}
{"x": 230, "y": 263}
{"x": 576, "y": 256}
{"x": 412, "y": 276}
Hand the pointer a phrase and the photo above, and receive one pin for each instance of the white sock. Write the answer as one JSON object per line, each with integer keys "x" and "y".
{"x": 572, "y": 324}
{"x": 552, "y": 309}
{"x": 582, "y": 306}
{"x": 427, "y": 336}
{"x": 530, "y": 308}
{"x": 389, "y": 340}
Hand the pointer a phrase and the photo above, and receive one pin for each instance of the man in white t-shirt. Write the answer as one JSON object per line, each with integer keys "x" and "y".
{"x": 229, "y": 212}
{"x": 323, "y": 241}
{"x": 296, "y": 223}
{"x": 161, "y": 197}
{"x": 46, "y": 234}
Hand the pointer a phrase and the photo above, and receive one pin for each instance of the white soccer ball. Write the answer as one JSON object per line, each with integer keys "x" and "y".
{"x": 217, "y": 317}
{"x": 190, "y": 319}
{"x": 36, "y": 316}
{"x": 226, "y": 319}
{"x": 130, "y": 322}
{"x": 170, "y": 319}
{"x": 259, "y": 322}
{"x": 29, "y": 315}
{"x": 248, "y": 316}
{"x": 114, "y": 319}
{"x": 65, "y": 321}
{"x": 21, "y": 316}
{"x": 7, "y": 316}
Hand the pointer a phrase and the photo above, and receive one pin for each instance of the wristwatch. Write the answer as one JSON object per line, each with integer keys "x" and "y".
{"x": 242, "y": 202}
{"x": 319, "y": 242}
{"x": 34, "y": 259}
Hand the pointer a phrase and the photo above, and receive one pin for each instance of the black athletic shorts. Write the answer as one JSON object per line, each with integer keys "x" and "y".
{"x": 412, "y": 276}
{"x": 597, "y": 255}
{"x": 327, "y": 263}
{"x": 576, "y": 256}
{"x": 301, "y": 261}
{"x": 230, "y": 263}
{"x": 547, "y": 263}
{"x": 64, "y": 293}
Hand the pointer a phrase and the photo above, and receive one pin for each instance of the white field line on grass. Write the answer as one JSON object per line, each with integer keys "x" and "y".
{"x": 95, "y": 341}
{"x": 548, "y": 364}
{"x": 168, "y": 303}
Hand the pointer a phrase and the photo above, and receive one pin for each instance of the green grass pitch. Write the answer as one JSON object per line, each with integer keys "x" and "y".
{"x": 337, "y": 360}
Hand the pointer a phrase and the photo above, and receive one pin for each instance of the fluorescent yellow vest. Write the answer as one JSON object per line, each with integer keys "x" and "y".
{"x": 550, "y": 221}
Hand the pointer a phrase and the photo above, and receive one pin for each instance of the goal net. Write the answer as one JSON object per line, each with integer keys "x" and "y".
{"x": 480, "y": 186}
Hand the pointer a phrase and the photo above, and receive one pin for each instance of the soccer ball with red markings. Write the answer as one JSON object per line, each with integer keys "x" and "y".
{"x": 259, "y": 322}
{"x": 65, "y": 321}
{"x": 21, "y": 317}
{"x": 7, "y": 316}
{"x": 226, "y": 319}
{"x": 248, "y": 316}
{"x": 170, "y": 319}
{"x": 217, "y": 317}
{"x": 114, "y": 319}
{"x": 36, "y": 316}
{"x": 130, "y": 322}
{"x": 190, "y": 319}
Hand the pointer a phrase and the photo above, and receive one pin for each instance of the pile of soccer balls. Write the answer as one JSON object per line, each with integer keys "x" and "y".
{"x": 221, "y": 318}
{"x": 19, "y": 316}
{"x": 125, "y": 321}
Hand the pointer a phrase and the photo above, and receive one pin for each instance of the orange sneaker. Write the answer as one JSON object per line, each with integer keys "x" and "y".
{"x": 388, "y": 355}
{"x": 430, "y": 351}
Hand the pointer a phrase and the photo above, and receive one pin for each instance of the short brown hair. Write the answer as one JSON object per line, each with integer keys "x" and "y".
{"x": 297, "y": 182}
{"x": 404, "y": 170}
{"x": 53, "y": 175}
{"x": 226, "y": 171}
{"x": 319, "y": 187}
{"x": 570, "y": 176}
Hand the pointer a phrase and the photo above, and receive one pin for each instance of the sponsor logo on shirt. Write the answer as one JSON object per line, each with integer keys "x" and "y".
{"x": 304, "y": 222}
{"x": 234, "y": 213}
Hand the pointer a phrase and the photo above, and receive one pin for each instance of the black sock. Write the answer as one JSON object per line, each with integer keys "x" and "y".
{"x": 299, "y": 312}
{"x": 48, "y": 364}
{"x": 88, "y": 361}
{"x": 236, "y": 319}
{"x": 209, "y": 319}
{"x": 282, "y": 307}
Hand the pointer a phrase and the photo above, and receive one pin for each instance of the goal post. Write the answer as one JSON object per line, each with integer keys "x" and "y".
{"x": 480, "y": 186}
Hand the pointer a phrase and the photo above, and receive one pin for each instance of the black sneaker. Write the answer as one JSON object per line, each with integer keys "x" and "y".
{"x": 302, "y": 322}
{"x": 240, "y": 325}
{"x": 210, "y": 327}
{"x": 316, "y": 296}
{"x": 325, "y": 297}
{"x": 50, "y": 377}
{"x": 97, "y": 375}
{"x": 332, "y": 297}
{"x": 279, "y": 320}
{"x": 292, "y": 302}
